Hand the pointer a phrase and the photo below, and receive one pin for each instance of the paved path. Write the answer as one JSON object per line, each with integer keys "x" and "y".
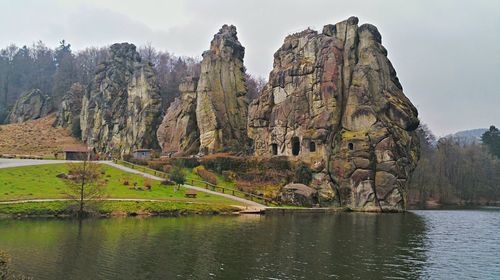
{"x": 5, "y": 163}
{"x": 246, "y": 201}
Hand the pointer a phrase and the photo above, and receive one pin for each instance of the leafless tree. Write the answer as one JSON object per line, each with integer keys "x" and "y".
{"x": 83, "y": 184}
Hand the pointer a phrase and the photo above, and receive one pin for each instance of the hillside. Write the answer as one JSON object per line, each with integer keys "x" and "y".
{"x": 37, "y": 137}
{"x": 468, "y": 136}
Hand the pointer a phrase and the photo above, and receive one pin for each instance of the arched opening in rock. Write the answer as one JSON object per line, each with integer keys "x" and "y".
{"x": 295, "y": 146}
{"x": 312, "y": 146}
{"x": 351, "y": 146}
{"x": 274, "y": 149}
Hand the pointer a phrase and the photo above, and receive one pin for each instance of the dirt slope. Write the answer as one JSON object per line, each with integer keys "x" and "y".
{"x": 36, "y": 137}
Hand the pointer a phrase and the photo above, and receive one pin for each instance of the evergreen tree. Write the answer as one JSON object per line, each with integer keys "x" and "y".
{"x": 491, "y": 139}
{"x": 66, "y": 72}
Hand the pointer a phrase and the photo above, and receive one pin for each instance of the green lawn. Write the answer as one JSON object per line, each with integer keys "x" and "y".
{"x": 40, "y": 181}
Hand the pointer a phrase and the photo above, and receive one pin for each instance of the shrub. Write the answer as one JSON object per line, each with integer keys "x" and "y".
{"x": 177, "y": 175}
{"x": 223, "y": 163}
{"x": 126, "y": 181}
{"x": 167, "y": 182}
{"x": 277, "y": 163}
{"x": 303, "y": 174}
{"x": 205, "y": 174}
{"x": 155, "y": 165}
{"x": 147, "y": 183}
{"x": 167, "y": 168}
{"x": 188, "y": 162}
{"x": 229, "y": 176}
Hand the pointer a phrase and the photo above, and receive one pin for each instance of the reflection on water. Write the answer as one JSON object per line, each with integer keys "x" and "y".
{"x": 340, "y": 246}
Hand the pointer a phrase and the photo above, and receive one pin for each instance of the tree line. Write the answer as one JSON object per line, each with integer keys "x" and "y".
{"x": 54, "y": 71}
{"x": 453, "y": 172}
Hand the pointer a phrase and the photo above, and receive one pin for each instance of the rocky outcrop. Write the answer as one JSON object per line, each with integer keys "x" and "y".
{"x": 123, "y": 109}
{"x": 31, "y": 105}
{"x": 221, "y": 108}
{"x": 178, "y": 133}
{"x": 71, "y": 106}
{"x": 333, "y": 100}
{"x": 211, "y": 114}
{"x": 298, "y": 195}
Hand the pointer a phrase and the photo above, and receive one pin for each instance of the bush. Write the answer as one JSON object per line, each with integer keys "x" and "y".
{"x": 126, "y": 181}
{"x": 229, "y": 176}
{"x": 224, "y": 163}
{"x": 167, "y": 168}
{"x": 277, "y": 163}
{"x": 147, "y": 183}
{"x": 177, "y": 175}
{"x": 205, "y": 174}
{"x": 155, "y": 165}
{"x": 190, "y": 162}
{"x": 303, "y": 174}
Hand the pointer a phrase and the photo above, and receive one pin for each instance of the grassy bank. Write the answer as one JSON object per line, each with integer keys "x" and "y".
{"x": 40, "y": 182}
{"x": 114, "y": 208}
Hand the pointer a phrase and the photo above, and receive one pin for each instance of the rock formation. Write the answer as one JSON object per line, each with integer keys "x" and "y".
{"x": 71, "y": 106}
{"x": 211, "y": 114}
{"x": 333, "y": 100}
{"x": 178, "y": 133}
{"x": 122, "y": 110}
{"x": 31, "y": 105}
{"x": 221, "y": 109}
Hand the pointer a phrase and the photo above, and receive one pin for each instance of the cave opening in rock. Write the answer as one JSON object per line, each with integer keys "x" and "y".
{"x": 295, "y": 146}
{"x": 351, "y": 146}
{"x": 274, "y": 149}
{"x": 312, "y": 146}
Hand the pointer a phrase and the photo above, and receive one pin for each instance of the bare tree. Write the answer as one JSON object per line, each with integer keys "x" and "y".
{"x": 83, "y": 184}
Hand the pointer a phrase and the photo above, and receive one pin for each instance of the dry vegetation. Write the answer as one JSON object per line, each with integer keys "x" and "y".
{"x": 36, "y": 137}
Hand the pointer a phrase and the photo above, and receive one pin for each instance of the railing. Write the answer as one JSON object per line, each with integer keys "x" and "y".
{"x": 204, "y": 184}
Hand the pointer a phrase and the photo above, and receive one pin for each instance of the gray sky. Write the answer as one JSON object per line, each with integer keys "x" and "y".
{"x": 446, "y": 53}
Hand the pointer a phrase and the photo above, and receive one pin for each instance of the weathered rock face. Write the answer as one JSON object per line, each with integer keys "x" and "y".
{"x": 299, "y": 195}
{"x": 221, "y": 108}
{"x": 31, "y": 105}
{"x": 71, "y": 106}
{"x": 211, "y": 114}
{"x": 334, "y": 100}
{"x": 178, "y": 133}
{"x": 122, "y": 110}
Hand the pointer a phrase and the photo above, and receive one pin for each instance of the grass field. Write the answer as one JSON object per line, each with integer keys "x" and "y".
{"x": 117, "y": 208}
{"x": 40, "y": 182}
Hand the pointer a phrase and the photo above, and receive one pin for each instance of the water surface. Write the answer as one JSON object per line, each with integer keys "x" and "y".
{"x": 414, "y": 245}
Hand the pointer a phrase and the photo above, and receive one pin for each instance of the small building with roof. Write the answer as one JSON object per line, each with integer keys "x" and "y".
{"x": 143, "y": 154}
{"x": 80, "y": 152}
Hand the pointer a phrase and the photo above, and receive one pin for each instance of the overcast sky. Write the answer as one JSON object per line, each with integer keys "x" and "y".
{"x": 446, "y": 53}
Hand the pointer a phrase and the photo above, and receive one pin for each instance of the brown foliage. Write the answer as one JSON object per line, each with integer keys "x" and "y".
{"x": 206, "y": 175}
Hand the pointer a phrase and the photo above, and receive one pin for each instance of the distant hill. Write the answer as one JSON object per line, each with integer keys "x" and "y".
{"x": 36, "y": 137}
{"x": 468, "y": 136}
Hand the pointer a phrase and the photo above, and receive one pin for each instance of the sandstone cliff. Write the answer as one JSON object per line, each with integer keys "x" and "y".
{"x": 31, "y": 105}
{"x": 211, "y": 114}
{"x": 122, "y": 110}
{"x": 333, "y": 99}
{"x": 178, "y": 133}
{"x": 221, "y": 109}
{"x": 71, "y": 106}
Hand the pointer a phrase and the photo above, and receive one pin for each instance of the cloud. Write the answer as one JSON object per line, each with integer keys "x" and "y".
{"x": 445, "y": 51}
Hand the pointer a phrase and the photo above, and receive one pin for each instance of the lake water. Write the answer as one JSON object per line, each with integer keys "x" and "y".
{"x": 461, "y": 244}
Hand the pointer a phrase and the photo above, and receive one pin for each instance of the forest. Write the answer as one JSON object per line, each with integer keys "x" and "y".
{"x": 54, "y": 71}
{"x": 451, "y": 172}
